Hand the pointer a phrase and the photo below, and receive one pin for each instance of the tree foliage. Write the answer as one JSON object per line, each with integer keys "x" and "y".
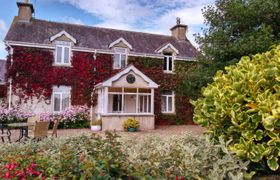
{"x": 234, "y": 28}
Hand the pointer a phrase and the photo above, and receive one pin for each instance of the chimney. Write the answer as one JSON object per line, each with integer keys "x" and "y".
{"x": 179, "y": 30}
{"x": 25, "y": 11}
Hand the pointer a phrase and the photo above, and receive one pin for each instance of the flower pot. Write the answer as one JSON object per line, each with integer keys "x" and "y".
{"x": 95, "y": 128}
{"x": 131, "y": 129}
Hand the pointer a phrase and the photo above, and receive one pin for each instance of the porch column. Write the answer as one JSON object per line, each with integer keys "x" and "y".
{"x": 137, "y": 100}
{"x": 152, "y": 100}
{"x": 105, "y": 100}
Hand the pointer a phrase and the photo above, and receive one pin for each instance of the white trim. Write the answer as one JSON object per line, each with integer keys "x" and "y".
{"x": 62, "y": 46}
{"x": 108, "y": 83}
{"x": 120, "y": 57}
{"x": 167, "y": 64}
{"x": 173, "y": 103}
{"x": 63, "y": 90}
{"x": 52, "y": 38}
{"x": 101, "y": 51}
{"x": 169, "y": 45}
{"x": 120, "y": 40}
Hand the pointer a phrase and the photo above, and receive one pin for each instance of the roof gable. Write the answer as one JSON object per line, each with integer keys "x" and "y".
{"x": 109, "y": 82}
{"x": 61, "y": 33}
{"x": 169, "y": 45}
{"x": 118, "y": 41}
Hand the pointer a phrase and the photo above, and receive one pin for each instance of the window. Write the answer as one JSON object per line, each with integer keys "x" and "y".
{"x": 62, "y": 53}
{"x": 168, "y": 63}
{"x": 117, "y": 103}
{"x": 167, "y": 102}
{"x": 61, "y": 98}
{"x": 119, "y": 58}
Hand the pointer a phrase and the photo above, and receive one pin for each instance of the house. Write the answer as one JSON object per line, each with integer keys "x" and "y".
{"x": 120, "y": 74}
{"x": 3, "y": 88}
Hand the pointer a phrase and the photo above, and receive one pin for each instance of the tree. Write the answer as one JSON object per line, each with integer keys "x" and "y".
{"x": 234, "y": 28}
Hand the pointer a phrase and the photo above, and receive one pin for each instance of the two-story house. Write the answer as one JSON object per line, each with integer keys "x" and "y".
{"x": 120, "y": 74}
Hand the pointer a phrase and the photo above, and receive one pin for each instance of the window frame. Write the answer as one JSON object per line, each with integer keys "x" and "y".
{"x": 63, "y": 45}
{"x": 167, "y": 58}
{"x": 119, "y": 54}
{"x": 166, "y": 96}
{"x": 62, "y": 90}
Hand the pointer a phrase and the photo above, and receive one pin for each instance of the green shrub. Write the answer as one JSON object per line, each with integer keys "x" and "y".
{"x": 243, "y": 105}
{"x": 111, "y": 157}
{"x": 130, "y": 123}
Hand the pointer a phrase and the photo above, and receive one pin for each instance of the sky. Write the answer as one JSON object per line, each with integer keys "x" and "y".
{"x": 152, "y": 16}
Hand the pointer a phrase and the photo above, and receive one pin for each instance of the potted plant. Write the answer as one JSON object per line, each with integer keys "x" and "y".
{"x": 95, "y": 125}
{"x": 131, "y": 124}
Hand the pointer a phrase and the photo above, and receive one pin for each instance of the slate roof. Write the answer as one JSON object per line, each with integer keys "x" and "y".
{"x": 2, "y": 70}
{"x": 40, "y": 31}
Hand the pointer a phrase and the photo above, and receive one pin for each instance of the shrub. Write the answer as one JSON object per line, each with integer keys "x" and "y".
{"x": 111, "y": 157}
{"x": 243, "y": 105}
{"x": 130, "y": 123}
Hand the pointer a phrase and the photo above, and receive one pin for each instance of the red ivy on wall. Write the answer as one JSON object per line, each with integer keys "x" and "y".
{"x": 34, "y": 74}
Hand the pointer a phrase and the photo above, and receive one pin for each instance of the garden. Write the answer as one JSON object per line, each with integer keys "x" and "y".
{"x": 241, "y": 113}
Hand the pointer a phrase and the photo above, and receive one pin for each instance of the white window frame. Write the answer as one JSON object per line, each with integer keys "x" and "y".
{"x": 167, "y": 99}
{"x": 63, "y": 45}
{"x": 61, "y": 90}
{"x": 168, "y": 64}
{"x": 120, "y": 55}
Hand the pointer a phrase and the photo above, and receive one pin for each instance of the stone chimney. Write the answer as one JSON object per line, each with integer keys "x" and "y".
{"x": 25, "y": 11}
{"x": 179, "y": 30}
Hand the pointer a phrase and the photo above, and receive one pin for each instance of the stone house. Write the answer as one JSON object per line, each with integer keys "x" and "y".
{"x": 54, "y": 65}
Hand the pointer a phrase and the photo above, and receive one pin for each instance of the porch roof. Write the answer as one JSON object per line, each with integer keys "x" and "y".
{"x": 127, "y": 70}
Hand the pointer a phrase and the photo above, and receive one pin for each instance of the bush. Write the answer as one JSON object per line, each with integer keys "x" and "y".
{"x": 130, "y": 123}
{"x": 108, "y": 157}
{"x": 243, "y": 105}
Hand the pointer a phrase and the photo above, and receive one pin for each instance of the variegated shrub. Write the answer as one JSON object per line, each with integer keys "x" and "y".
{"x": 243, "y": 105}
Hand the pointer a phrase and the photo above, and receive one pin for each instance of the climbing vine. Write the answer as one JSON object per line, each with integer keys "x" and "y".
{"x": 34, "y": 75}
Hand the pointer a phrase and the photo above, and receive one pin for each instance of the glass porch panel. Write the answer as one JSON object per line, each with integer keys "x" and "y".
{"x": 142, "y": 90}
{"x": 144, "y": 104}
{"x": 114, "y": 103}
{"x": 130, "y": 90}
{"x": 114, "y": 89}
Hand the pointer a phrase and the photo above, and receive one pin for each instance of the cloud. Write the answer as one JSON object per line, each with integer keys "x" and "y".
{"x": 72, "y": 20}
{"x": 142, "y": 15}
{"x": 3, "y": 31}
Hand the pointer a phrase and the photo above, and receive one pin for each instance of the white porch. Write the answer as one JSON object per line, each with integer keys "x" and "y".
{"x": 128, "y": 94}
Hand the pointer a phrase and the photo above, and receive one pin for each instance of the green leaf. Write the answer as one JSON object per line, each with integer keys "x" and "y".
{"x": 273, "y": 163}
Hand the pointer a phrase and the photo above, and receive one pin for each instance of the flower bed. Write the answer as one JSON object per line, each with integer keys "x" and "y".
{"x": 12, "y": 115}
{"x": 72, "y": 117}
{"x": 109, "y": 157}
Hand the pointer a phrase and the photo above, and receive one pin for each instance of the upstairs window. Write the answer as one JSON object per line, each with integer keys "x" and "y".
{"x": 120, "y": 58}
{"x": 167, "y": 102}
{"x": 168, "y": 63}
{"x": 62, "y": 53}
{"x": 61, "y": 98}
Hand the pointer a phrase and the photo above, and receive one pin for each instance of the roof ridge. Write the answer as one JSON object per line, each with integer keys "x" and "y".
{"x": 96, "y": 27}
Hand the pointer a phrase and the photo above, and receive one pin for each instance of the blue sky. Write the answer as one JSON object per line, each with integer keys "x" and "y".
{"x": 154, "y": 16}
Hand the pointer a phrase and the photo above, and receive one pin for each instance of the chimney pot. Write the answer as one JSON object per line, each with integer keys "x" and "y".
{"x": 25, "y": 11}
{"x": 179, "y": 30}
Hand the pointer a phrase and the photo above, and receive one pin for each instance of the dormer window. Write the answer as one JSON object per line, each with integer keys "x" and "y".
{"x": 168, "y": 63}
{"x": 120, "y": 57}
{"x": 62, "y": 53}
